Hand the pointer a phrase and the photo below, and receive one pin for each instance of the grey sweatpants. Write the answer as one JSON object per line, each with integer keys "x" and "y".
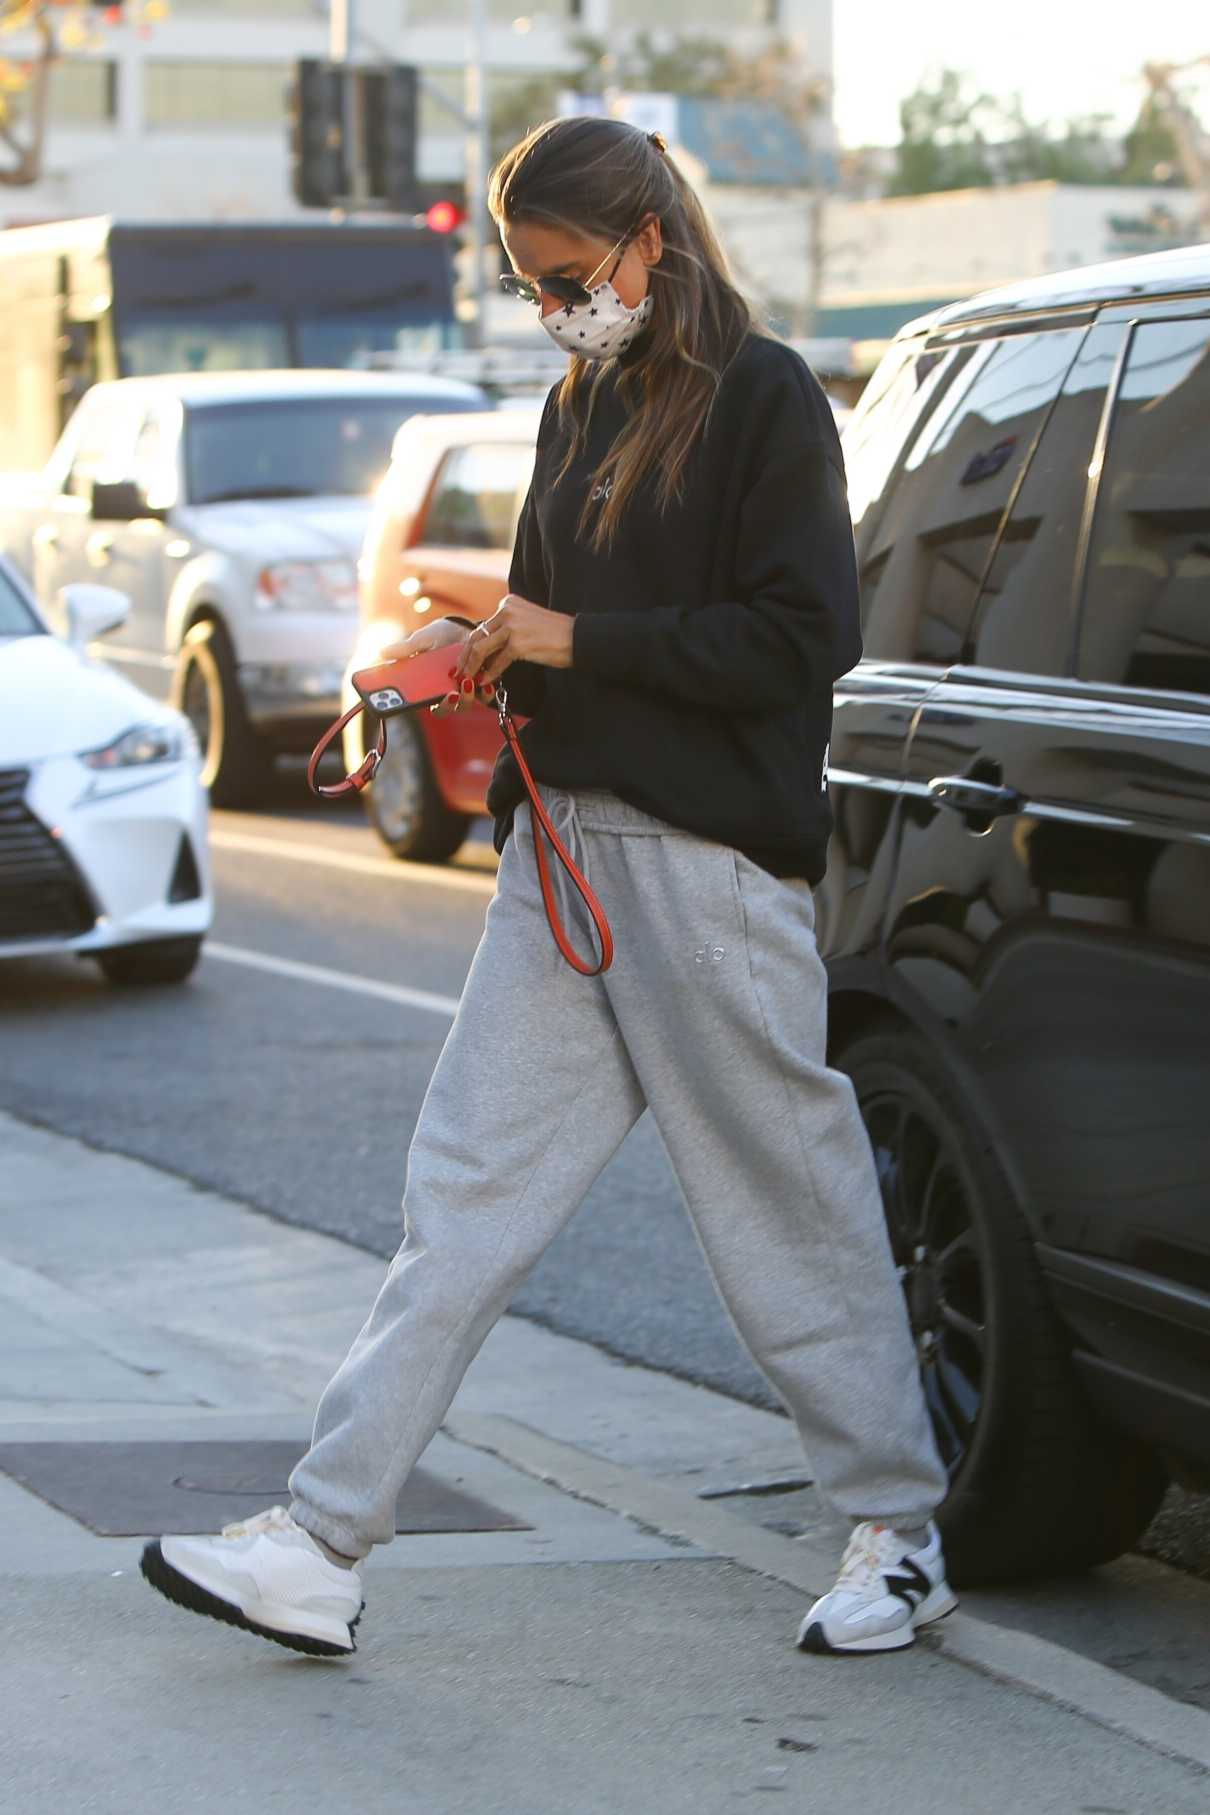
{"x": 713, "y": 1016}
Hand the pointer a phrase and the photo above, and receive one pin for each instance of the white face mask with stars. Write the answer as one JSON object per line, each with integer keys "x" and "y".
{"x": 599, "y": 328}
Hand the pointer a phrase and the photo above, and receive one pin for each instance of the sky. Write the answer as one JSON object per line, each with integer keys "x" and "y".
{"x": 1065, "y": 56}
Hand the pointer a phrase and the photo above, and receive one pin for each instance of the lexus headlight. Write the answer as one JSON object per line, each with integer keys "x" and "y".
{"x": 143, "y": 744}
{"x": 307, "y": 586}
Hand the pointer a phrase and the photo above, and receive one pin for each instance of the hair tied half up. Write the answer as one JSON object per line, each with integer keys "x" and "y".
{"x": 658, "y": 140}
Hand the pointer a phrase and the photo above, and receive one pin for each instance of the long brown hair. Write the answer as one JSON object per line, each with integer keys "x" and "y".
{"x": 602, "y": 178}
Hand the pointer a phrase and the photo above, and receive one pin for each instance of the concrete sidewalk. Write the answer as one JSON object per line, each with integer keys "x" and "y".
{"x": 631, "y": 1653}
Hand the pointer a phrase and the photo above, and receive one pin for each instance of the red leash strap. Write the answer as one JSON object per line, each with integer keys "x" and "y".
{"x": 542, "y": 824}
{"x": 365, "y": 771}
{"x": 364, "y": 774}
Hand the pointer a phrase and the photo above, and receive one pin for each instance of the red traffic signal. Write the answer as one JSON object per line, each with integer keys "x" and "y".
{"x": 444, "y": 216}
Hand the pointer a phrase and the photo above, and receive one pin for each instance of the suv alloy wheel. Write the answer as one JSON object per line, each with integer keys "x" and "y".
{"x": 1037, "y": 1483}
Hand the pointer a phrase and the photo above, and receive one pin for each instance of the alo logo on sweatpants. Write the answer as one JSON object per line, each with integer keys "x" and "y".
{"x": 709, "y": 954}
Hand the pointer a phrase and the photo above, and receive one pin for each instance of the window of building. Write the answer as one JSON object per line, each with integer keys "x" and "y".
{"x": 499, "y": 12}
{"x": 180, "y": 95}
{"x": 1146, "y": 612}
{"x": 434, "y": 119}
{"x": 478, "y": 496}
{"x": 1026, "y": 608}
{"x": 82, "y": 92}
{"x": 697, "y": 16}
{"x": 251, "y": 10}
{"x": 517, "y": 100}
{"x": 924, "y": 555}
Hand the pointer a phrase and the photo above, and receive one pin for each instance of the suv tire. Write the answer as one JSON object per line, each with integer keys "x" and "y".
{"x": 236, "y": 765}
{"x": 156, "y": 961}
{"x": 1037, "y": 1483}
{"x": 404, "y": 803}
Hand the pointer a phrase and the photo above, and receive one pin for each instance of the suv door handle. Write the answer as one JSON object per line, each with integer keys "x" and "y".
{"x": 965, "y": 795}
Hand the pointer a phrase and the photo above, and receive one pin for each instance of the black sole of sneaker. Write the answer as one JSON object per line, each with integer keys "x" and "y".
{"x": 178, "y": 1588}
{"x": 815, "y": 1640}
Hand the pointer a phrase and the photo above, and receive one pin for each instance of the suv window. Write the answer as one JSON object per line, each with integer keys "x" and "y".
{"x": 923, "y": 556}
{"x": 1026, "y": 607}
{"x": 477, "y": 498}
{"x": 1146, "y": 613}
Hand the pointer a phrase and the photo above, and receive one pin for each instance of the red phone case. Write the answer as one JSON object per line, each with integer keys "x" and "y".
{"x": 407, "y": 682}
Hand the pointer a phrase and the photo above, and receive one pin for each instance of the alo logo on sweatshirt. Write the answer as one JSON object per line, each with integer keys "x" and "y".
{"x": 604, "y": 490}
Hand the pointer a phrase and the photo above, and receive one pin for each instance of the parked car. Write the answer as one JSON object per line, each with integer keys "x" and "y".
{"x": 230, "y": 507}
{"x": 1016, "y": 916}
{"x": 102, "y": 810}
{"x": 439, "y": 544}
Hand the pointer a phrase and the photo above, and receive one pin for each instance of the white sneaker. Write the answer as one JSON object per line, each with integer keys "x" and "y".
{"x": 266, "y": 1574}
{"x": 882, "y": 1594}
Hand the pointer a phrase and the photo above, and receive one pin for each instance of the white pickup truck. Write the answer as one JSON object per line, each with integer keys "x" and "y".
{"x": 231, "y": 507}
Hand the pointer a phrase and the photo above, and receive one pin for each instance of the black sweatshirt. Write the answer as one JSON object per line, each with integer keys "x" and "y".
{"x": 706, "y": 640}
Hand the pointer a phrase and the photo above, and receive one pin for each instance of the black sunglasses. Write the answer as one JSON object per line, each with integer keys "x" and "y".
{"x": 567, "y": 290}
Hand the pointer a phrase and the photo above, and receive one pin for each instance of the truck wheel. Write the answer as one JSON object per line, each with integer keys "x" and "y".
{"x": 236, "y": 765}
{"x": 403, "y": 801}
{"x": 1037, "y": 1483}
{"x": 157, "y": 961}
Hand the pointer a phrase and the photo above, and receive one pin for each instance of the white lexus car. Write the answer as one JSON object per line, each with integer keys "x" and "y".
{"x": 102, "y": 812}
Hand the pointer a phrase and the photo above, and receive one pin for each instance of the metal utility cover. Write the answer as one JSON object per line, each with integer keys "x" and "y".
{"x": 129, "y": 1490}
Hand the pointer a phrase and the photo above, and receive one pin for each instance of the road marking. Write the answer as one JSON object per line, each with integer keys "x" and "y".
{"x": 318, "y": 973}
{"x": 427, "y": 874}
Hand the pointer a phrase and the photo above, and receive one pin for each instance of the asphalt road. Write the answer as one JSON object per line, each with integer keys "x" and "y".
{"x": 290, "y": 1070}
{"x": 294, "y": 1092}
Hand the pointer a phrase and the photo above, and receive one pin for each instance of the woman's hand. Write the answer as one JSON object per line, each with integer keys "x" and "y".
{"x": 517, "y": 631}
{"x": 433, "y": 636}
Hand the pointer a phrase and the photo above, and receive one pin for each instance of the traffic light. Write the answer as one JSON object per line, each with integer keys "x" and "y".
{"x": 374, "y": 164}
{"x": 444, "y": 216}
{"x": 321, "y": 173}
{"x": 388, "y": 106}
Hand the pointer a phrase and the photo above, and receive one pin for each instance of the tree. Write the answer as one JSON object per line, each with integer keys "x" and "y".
{"x": 1151, "y": 154}
{"x": 942, "y": 144}
{"x": 52, "y": 30}
{"x": 952, "y": 138}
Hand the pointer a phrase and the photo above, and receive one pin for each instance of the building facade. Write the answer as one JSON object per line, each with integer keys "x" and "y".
{"x": 189, "y": 121}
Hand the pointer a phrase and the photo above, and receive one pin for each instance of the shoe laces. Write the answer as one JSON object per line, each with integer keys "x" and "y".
{"x": 277, "y": 1518}
{"x": 870, "y": 1551}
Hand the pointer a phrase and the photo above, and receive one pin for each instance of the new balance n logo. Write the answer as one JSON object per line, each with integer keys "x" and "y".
{"x": 913, "y": 1586}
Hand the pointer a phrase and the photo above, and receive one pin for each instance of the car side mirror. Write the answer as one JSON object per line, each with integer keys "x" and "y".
{"x": 81, "y": 612}
{"x": 120, "y": 501}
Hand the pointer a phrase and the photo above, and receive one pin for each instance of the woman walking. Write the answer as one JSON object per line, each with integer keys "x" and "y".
{"x": 683, "y": 595}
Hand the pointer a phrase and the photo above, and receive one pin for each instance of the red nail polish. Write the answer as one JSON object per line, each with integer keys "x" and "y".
{"x": 468, "y": 685}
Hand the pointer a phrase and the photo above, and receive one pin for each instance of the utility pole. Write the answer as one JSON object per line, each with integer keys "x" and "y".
{"x": 342, "y": 34}
{"x": 341, "y": 27}
{"x": 478, "y": 157}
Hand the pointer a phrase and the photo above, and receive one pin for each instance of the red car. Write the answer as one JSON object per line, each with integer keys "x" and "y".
{"x": 439, "y": 544}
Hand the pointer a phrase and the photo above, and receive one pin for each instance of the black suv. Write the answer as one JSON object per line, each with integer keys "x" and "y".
{"x": 1016, "y": 918}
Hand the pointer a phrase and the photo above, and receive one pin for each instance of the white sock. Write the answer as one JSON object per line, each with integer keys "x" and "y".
{"x": 915, "y": 1537}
